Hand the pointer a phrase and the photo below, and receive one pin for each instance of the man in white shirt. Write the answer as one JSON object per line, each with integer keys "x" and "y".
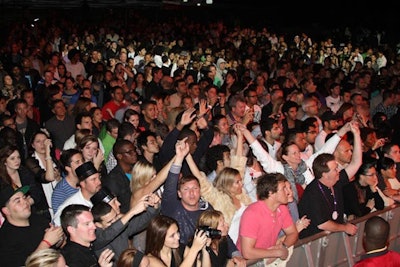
{"x": 330, "y": 125}
{"x": 89, "y": 184}
{"x": 271, "y": 131}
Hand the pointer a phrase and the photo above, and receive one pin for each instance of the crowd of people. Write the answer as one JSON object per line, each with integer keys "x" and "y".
{"x": 179, "y": 144}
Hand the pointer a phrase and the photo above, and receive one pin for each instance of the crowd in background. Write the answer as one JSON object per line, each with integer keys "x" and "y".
{"x": 149, "y": 130}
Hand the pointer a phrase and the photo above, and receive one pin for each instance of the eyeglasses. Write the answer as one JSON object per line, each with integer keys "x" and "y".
{"x": 371, "y": 174}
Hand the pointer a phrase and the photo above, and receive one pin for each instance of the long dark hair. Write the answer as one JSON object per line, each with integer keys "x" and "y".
{"x": 155, "y": 237}
{"x": 5, "y": 152}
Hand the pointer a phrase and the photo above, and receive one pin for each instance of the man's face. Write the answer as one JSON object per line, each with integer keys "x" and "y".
{"x": 311, "y": 135}
{"x": 292, "y": 113}
{"x": 150, "y": 112}
{"x": 239, "y": 109}
{"x": 59, "y": 109}
{"x": 276, "y": 131}
{"x": 92, "y": 184}
{"x": 21, "y": 110}
{"x": 300, "y": 141}
{"x": 129, "y": 155}
{"x": 343, "y": 152}
{"x": 17, "y": 207}
{"x": 118, "y": 95}
{"x": 76, "y": 161}
{"x": 394, "y": 153}
{"x": 84, "y": 233}
{"x": 332, "y": 125}
{"x": 332, "y": 176}
{"x": 282, "y": 193}
{"x": 152, "y": 145}
{"x": 86, "y": 123}
{"x": 189, "y": 193}
{"x": 108, "y": 219}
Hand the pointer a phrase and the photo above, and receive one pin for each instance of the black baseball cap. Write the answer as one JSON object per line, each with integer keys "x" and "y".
{"x": 7, "y": 192}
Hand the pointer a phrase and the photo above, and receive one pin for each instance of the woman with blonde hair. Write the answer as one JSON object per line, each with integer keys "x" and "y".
{"x": 213, "y": 222}
{"x": 46, "y": 258}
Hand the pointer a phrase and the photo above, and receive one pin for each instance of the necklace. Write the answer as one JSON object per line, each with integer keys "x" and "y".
{"x": 335, "y": 214}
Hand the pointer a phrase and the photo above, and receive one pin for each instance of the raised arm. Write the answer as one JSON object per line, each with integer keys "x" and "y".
{"x": 269, "y": 164}
{"x": 356, "y": 159}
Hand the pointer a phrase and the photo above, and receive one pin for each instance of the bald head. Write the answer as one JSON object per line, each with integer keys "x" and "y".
{"x": 376, "y": 233}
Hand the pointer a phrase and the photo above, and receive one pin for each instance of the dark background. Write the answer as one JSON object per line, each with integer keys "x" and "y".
{"x": 319, "y": 19}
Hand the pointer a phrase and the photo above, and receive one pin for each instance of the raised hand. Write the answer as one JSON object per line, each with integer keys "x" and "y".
{"x": 181, "y": 148}
{"x": 188, "y": 116}
{"x": 106, "y": 258}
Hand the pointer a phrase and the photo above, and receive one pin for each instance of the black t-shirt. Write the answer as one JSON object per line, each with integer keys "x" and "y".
{"x": 17, "y": 243}
{"x": 79, "y": 256}
{"x": 319, "y": 205}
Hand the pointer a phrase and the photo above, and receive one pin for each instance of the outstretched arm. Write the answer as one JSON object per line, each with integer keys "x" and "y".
{"x": 356, "y": 159}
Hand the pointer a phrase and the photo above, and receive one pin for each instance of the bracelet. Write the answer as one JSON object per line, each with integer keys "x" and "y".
{"x": 47, "y": 242}
{"x": 47, "y": 158}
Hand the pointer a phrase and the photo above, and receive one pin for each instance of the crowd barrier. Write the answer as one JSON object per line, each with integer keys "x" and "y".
{"x": 339, "y": 249}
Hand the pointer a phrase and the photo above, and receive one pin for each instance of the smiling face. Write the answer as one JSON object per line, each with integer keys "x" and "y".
{"x": 90, "y": 150}
{"x": 84, "y": 233}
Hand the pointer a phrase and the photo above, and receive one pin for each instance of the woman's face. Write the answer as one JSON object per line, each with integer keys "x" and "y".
{"x": 90, "y": 150}
{"x": 13, "y": 161}
{"x": 237, "y": 186}
{"x": 134, "y": 120}
{"x": 172, "y": 237}
{"x": 98, "y": 116}
{"x": 293, "y": 155}
{"x": 38, "y": 143}
{"x": 223, "y": 226}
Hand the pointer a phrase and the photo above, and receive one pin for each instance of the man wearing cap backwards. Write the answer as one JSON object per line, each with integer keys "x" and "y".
{"x": 329, "y": 125}
{"x": 22, "y": 232}
{"x": 89, "y": 184}
{"x": 114, "y": 229}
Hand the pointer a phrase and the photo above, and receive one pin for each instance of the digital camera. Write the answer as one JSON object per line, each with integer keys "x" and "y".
{"x": 210, "y": 232}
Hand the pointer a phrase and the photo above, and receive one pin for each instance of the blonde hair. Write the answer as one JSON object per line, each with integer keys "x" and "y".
{"x": 225, "y": 179}
{"x": 43, "y": 258}
{"x": 142, "y": 173}
{"x": 210, "y": 218}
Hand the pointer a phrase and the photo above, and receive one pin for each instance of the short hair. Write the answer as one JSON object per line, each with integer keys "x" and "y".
{"x": 129, "y": 257}
{"x": 124, "y": 129}
{"x": 55, "y": 102}
{"x": 185, "y": 179}
{"x": 307, "y": 123}
{"x": 142, "y": 138}
{"x": 288, "y": 105}
{"x": 99, "y": 210}
{"x": 146, "y": 103}
{"x": 320, "y": 164}
{"x": 214, "y": 154}
{"x": 376, "y": 232}
{"x": 217, "y": 117}
{"x": 385, "y": 163}
{"x": 267, "y": 183}
{"x": 267, "y": 124}
{"x": 69, "y": 214}
{"x": 118, "y": 145}
{"x": 66, "y": 156}
{"x": 186, "y": 132}
{"x": 234, "y": 99}
{"x": 387, "y": 147}
{"x": 80, "y": 116}
{"x": 111, "y": 124}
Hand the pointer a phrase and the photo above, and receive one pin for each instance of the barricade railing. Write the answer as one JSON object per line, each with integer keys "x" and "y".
{"x": 339, "y": 249}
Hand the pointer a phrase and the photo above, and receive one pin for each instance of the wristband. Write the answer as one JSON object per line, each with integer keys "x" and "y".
{"x": 47, "y": 242}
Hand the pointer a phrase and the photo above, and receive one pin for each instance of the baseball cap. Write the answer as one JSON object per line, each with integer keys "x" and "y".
{"x": 103, "y": 195}
{"x": 7, "y": 192}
